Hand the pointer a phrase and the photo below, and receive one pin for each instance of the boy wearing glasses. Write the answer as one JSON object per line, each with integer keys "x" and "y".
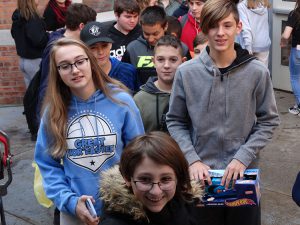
{"x": 222, "y": 109}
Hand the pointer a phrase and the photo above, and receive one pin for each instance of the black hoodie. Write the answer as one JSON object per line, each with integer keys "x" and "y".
{"x": 30, "y": 36}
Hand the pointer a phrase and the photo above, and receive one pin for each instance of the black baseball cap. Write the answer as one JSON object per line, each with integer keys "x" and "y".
{"x": 93, "y": 33}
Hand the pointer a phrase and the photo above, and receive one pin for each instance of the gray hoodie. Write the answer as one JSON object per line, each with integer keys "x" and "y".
{"x": 255, "y": 35}
{"x": 217, "y": 117}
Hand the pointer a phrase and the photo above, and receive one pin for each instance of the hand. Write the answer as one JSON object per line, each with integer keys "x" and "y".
{"x": 199, "y": 171}
{"x": 83, "y": 213}
{"x": 234, "y": 169}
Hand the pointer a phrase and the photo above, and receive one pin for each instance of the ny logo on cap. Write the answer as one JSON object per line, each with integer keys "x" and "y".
{"x": 95, "y": 30}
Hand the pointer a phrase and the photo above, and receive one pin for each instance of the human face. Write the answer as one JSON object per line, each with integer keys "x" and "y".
{"x": 195, "y": 7}
{"x": 221, "y": 37}
{"x": 126, "y": 22}
{"x": 148, "y": 171}
{"x": 101, "y": 51}
{"x": 79, "y": 78}
{"x": 166, "y": 60}
{"x": 153, "y": 33}
{"x": 198, "y": 49}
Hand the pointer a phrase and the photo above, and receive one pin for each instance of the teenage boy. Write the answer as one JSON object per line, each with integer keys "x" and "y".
{"x": 222, "y": 109}
{"x": 191, "y": 23}
{"x": 153, "y": 99}
{"x": 95, "y": 36}
{"x": 126, "y": 27}
{"x": 139, "y": 53}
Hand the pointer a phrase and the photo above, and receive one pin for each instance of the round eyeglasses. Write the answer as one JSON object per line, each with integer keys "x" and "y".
{"x": 165, "y": 185}
{"x": 66, "y": 68}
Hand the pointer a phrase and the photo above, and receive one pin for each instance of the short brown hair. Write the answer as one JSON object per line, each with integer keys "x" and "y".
{"x": 129, "y": 6}
{"x": 214, "y": 11}
{"x": 163, "y": 150}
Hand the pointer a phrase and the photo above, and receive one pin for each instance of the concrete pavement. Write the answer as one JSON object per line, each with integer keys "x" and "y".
{"x": 279, "y": 163}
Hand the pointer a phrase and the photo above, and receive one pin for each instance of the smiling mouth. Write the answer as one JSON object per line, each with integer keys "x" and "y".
{"x": 154, "y": 200}
{"x": 77, "y": 78}
{"x": 220, "y": 41}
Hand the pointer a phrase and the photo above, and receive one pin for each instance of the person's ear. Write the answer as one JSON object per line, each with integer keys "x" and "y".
{"x": 153, "y": 60}
{"x": 183, "y": 59}
{"x": 116, "y": 15}
{"x": 239, "y": 27}
{"x": 166, "y": 27}
{"x": 127, "y": 182}
{"x": 81, "y": 26}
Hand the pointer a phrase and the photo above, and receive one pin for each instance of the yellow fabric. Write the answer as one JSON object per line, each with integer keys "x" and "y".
{"x": 38, "y": 188}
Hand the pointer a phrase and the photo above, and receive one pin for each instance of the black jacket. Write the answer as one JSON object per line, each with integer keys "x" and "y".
{"x": 30, "y": 36}
{"x": 122, "y": 208}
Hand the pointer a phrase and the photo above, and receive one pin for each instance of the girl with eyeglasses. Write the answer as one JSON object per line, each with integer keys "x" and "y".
{"x": 150, "y": 186}
{"x": 87, "y": 121}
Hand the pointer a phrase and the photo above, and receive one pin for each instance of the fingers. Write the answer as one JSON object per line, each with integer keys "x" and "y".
{"x": 199, "y": 172}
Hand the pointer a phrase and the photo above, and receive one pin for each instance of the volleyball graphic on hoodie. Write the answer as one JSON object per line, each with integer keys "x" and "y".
{"x": 90, "y": 141}
{"x": 86, "y": 126}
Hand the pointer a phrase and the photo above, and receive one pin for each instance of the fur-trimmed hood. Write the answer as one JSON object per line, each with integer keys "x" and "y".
{"x": 117, "y": 197}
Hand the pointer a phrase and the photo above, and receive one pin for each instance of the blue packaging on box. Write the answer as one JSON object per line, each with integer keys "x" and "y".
{"x": 246, "y": 192}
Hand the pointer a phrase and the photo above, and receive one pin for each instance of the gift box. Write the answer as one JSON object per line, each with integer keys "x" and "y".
{"x": 246, "y": 191}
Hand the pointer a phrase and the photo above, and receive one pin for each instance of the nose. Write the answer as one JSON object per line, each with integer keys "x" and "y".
{"x": 150, "y": 39}
{"x": 220, "y": 30}
{"x": 155, "y": 189}
{"x": 167, "y": 64}
{"x": 194, "y": 7}
{"x": 74, "y": 69}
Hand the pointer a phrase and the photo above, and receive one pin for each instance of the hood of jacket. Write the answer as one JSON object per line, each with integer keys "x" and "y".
{"x": 117, "y": 197}
{"x": 151, "y": 88}
{"x": 260, "y": 9}
{"x": 242, "y": 56}
{"x": 142, "y": 40}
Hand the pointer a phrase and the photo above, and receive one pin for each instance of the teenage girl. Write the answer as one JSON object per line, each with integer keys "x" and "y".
{"x": 88, "y": 119}
{"x": 255, "y": 35}
{"x": 293, "y": 29}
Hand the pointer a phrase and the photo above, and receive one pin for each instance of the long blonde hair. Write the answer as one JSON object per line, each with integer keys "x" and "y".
{"x": 58, "y": 95}
{"x": 252, "y": 4}
{"x": 28, "y": 9}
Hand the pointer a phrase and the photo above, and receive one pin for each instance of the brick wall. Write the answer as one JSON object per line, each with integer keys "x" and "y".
{"x": 12, "y": 85}
{"x": 100, "y": 5}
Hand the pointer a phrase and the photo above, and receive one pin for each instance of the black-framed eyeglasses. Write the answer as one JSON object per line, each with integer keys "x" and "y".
{"x": 67, "y": 67}
{"x": 165, "y": 185}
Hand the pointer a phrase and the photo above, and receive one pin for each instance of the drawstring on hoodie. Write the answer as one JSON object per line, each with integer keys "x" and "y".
{"x": 96, "y": 124}
{"x": 157, "y": 113}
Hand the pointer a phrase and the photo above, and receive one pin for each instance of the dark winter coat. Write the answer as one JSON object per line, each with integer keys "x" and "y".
{"x": 30, "y": 35}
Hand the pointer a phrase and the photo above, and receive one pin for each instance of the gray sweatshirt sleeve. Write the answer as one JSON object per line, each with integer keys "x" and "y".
{"x": 267, "y": 121}
{"x": 178, "y": 120}
{"x": 246, "y": 33}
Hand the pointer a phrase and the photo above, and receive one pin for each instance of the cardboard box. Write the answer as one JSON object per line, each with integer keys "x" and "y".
{"x": 246, "y": 192}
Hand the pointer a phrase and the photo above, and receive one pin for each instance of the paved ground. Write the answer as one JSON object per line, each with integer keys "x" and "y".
{"x": 279, "y": 163}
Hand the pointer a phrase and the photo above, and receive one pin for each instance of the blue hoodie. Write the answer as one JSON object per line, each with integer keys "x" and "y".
{"x": 125, "y": 73}
{"x": 97, "y": 131}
